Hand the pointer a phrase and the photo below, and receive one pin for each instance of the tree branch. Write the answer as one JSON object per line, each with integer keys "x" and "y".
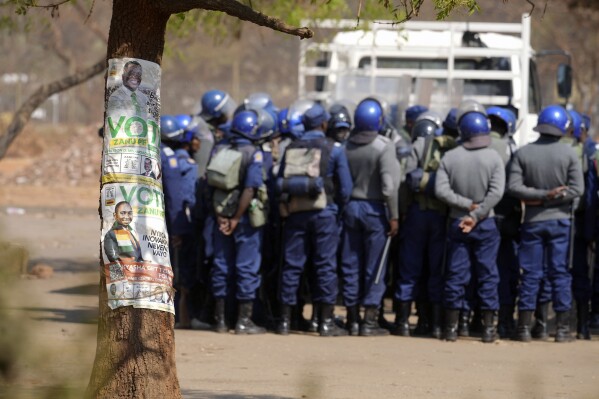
{"x": 22, "y": 116}
{"x": 234, "y": 9}
{"x": 90, "y": 23}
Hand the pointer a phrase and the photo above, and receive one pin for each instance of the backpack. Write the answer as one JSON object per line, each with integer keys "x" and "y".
{"x": 224, "y": 167}
{"x": 225, "y": 172}
{"x": 308, "y": 160}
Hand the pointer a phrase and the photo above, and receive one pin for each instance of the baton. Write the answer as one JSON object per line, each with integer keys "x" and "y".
{"x": 574, "y": 205}
{"x": 383, "y": 260}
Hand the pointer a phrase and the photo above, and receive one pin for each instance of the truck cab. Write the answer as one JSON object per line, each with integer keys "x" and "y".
{"x": 437, "y": 64}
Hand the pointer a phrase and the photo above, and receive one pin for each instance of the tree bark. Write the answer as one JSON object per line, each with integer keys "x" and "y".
{"x": 135, "y": 354}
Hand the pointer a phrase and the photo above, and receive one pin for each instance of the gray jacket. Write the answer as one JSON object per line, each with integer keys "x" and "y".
{"x": 374, "y": 169}
{"x": 539, "y": 167}
{"x": 470, "y": 176}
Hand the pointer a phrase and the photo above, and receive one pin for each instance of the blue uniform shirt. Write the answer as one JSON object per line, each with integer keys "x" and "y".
{"x": 179, "y": 176}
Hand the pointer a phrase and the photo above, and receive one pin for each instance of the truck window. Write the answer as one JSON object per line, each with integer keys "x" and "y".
{"x": 472, "y": 87}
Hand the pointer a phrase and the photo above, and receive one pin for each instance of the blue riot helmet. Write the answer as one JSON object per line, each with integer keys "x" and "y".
{"x": 340, "y": 117}
{"x": 267, "y": 123}
{"x": 450, "y": 124}
{"x": 183, "y": 120}
{"x": 513, "y": 120}
{"x": 474, "y": 128}
{"x": 369, "y": 115}
{"x": 467, "y": 106}
{"x": 412, "y": 113}
{"x": 216, "y": 104}
{"x": 576, "y": 124}
{"x": 553, "y": 120}
{"x": 501, "y": 120}
{"x": 292, "y": 125}
{"x": 169, "y": 128}
{"x": 184, "y": 123}
{"x": 427, "y": 124}
{"x": 245, "y": 124}
{"x": 259, "y": 101}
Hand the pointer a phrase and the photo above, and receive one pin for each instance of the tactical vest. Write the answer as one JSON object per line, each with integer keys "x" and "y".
{"x": 226, "y": 171}
{"x": 430, "y": 164}
{"x": 309, "y": 159}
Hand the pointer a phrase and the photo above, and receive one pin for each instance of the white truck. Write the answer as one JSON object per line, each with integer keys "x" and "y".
{"x": 437, "y": 64}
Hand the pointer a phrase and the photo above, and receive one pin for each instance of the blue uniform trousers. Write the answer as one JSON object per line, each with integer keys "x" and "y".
{"x": 364, "y": 237}
{"x": 237, "y": 257}
{"x": 183, "y": 260}
{"x": 545, "y": 245}
{"x": 310, "y": 235}
{"x": 509, "y": 271}
{"x": 581, "y": 284}
{"x": 421, "y": 251}
{"x": 475, "y": 252}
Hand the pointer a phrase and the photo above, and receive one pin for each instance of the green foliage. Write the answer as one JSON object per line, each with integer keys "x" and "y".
{"x": 445, "y": 7}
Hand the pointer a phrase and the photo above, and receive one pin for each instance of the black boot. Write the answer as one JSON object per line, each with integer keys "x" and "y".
{"x": 370, "y": 326}
{"x": 327, "y": 326}
{"x": 523, "y": 331}
{"x": 562, "y": 327}
{"x": 283, "y": 326}
{"x": 539, "y": 331}
{"x": 352, "y": 323}
{"x": 402, "y": 325}
{"x": 220, "y": 325}
{"x": 451, "y": 324}
{"x": 245, "y": 325}
{"x": 506, "y": 325}
{"x": 423, "y": 326}
{"x": 582, "y": 323}
{"x": 383, "y": 322}
{"x": 489, "y": 332}
{"x": 464, "y": 323}
{"x": 315, "y": 319}
{"x": 476, "y": 324}
{"x": 436, "y": 317}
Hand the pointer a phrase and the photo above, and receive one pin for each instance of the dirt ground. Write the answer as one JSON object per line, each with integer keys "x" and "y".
{"x": 53, "y": 322}
{"x": 59, "y": 332}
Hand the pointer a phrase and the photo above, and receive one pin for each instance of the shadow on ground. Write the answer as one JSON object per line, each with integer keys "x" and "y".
{"x": 85, "y": 289}
{"x": 195, "y": 394}
{"x": 68, "y": 265}
{"x": 83, "y": 315}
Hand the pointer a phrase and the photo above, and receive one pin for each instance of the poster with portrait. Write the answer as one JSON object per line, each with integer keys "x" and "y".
{"x": 132, "y": 125}
{"x": 134, "y": 240}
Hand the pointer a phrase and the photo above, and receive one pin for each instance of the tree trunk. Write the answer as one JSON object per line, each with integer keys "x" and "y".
{"x": 135, "y": 354}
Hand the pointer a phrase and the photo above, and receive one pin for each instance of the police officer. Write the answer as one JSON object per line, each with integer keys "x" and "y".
{"x": 370, "y": 218}
{"x": 216, "y": 109}
{"x": 180, "y": 174}
{"x": 340, "y": 123}
{"x": 546, "y": 176}
{"x": 507, "y": 215}
{"x": 592, "y": 227}
{"x": 411, "y": 114}
{"x": 422, "y": 244}
{"x": 237, "y": 241}
{"x": 307, "y": 173}
{"x": 471, "y": 180}
{"x": 581, "y": 284}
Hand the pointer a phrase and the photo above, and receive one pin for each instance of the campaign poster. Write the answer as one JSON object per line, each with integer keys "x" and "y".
{"x": 132, "y": 125}
{"x": 134, "y": 240}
